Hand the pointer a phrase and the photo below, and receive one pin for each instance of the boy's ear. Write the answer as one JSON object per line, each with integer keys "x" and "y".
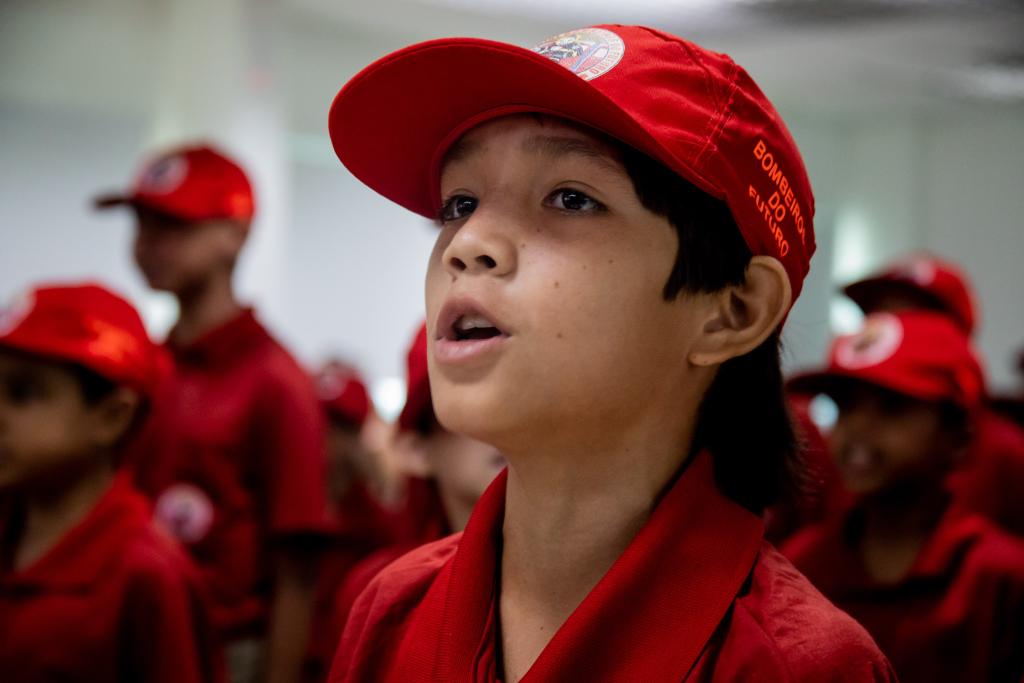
{"x": 742, "y": 316}
{"x": 115, "y": 415}
{"x": 410, "y": 450}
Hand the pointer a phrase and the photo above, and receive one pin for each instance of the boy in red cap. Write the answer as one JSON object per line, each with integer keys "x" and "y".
{"x": 238, "y": 473}
{"x": 624, "y": 224}
{"x": 90, "y": 589}
{"x": 991, "y": 477}
{"x": 940, "y": 589}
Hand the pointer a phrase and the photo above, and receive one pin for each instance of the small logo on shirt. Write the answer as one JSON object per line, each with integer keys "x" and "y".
{"x": 164, "y": 176}
{"x": 15, "y": 312}
{"x": 186, "y": 512}
{"x": 876, "y": 343}
{"x": 587, "y": 52}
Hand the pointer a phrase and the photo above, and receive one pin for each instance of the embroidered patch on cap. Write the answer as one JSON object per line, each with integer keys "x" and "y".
{"x": 186, "y": 512}
{"x": 15, "y": 312}
{"x": 587, "y": 52}
{"x": 877, "y": 342}
{"x": 164, "y": 175}
{"x": 922, "y": 272}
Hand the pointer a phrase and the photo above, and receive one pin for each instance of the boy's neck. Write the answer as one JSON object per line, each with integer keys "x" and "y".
{"x": 52, "y": 512}
{"x": 570, "y": 512}
{"x": 203, "y": 309}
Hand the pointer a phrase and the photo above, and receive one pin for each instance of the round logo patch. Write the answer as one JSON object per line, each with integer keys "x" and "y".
{"x": 15, "y": 312}
{"x": 876, "y": 343}
{"x": 587, "y": 52}
{"x": 186, "y": 512}
{"x": 920, "y": 272}
{"x": 164, "y": 175}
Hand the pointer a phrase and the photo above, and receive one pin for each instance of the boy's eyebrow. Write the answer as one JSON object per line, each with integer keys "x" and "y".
{"x": 554, "y": 147}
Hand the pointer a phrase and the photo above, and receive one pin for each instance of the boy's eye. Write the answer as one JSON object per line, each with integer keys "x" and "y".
{"x": 457, "y": 207}
{"x": 22, "y": 389}
{"x": 574, "y": 200}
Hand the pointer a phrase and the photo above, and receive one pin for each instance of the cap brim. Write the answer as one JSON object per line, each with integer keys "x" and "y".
{"x": 391, "y": 124}
{"x": 110, "y": 201}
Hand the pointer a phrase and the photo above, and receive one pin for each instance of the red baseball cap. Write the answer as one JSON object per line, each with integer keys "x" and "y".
{"x": 417, "y": 384}
{"x": 924, "y": 274}
{"x": 87, "y": 325}
{"x": 920, "y": 354}
{"x": 193, "y": 183}
{"x": 694, "y": 110}
{"x": 343, "y": 394}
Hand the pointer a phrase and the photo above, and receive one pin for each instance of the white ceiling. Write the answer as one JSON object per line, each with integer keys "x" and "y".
{"x": 814, "y": 58}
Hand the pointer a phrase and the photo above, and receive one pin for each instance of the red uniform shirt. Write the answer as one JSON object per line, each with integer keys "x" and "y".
{"x": 114, "y": 600}
{"x": 696, "y": 596}
{"x": 958, "y": 615}
{"x": 237, "y": 458}
{"x": 367, "y": 538}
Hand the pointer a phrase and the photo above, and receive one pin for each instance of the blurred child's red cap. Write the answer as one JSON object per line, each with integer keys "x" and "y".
{"x": 191, "y": 183}
{"x": 928, "y": 275}
{"x": 343, "y": 394}
{"x": 417, "y": 392}
{"x": 86, "y": 325}
{"x": 920, "y": 354}
{"x": 694, "y": 110}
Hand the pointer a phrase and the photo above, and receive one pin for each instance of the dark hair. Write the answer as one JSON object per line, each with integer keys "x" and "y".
{"x": 743, "y": 420}
{"x": 94, "y": 387}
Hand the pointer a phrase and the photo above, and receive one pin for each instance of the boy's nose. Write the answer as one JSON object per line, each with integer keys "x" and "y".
{"x": 479, "y": 248}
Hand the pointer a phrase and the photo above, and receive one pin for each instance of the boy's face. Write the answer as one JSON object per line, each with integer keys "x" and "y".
{"x": 176, "y": 256}
{"x": 46, "y": 426}
{"x": 544, "y": 240}
{"x": 883, "y": 439}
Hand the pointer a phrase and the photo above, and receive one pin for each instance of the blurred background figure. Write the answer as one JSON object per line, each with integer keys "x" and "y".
{"x": 90, "y": 589}
{"x": 939, "y": 586}
{"x": 447, "y": 470}
{"x": 232, "y": 455}
{"x": 991, "y": 477}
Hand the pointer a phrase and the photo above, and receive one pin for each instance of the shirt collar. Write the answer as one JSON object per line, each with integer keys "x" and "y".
{"x": 88, "y": 549}
{"x": 222, "y": 343}
{"x": 654, "y": 611}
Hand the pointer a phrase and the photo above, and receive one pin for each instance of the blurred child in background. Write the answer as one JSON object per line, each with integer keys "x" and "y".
{"x": 237, "y": 468}
{"x": 456, "y": 467}
{"x": 991, "y": 477}
{"x": 90, "y": 589}
{"x": 940, "y": 588}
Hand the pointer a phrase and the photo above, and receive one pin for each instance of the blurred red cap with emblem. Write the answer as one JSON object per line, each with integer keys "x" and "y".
{"x": 920, "y": 354}
{"x": 192, "y": 183}
{"x": 939, "y": 282}
{"x": 694, "y": 110}
{"x": 85, "y": 324}
{"x": 418, "y": 405}
{"x": 343, "y": 394}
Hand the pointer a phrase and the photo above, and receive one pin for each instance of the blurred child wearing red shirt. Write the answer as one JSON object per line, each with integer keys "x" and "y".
{"x": 941, "y": 589}
{"x": 991, "y": 476}
{"x": 90, "y": 589}
{"x": 237, "y": 439}
{"x": 624, "y": 222}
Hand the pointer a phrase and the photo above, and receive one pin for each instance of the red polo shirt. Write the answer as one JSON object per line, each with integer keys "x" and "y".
{"x": 696, "y": 596}
{"x": 958, "y": 614}
{"x": 114, "y": 600}
{"x": 235, "y": 460}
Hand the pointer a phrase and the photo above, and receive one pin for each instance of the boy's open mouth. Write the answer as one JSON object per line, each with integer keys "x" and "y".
{"x": 471, "y": 327}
